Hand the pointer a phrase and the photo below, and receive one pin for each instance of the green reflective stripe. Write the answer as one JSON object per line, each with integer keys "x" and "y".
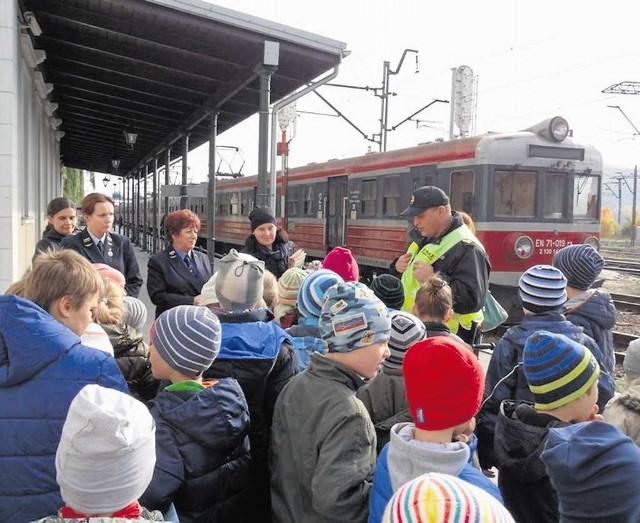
{"x": 429, "y": 254}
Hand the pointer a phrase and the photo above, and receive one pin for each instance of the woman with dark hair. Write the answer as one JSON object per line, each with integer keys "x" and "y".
{"x": 99, "y": 245}
{"x": 61, "y": 222}
{"x": 271, "y": 244}
{"x": 175, "y": 276}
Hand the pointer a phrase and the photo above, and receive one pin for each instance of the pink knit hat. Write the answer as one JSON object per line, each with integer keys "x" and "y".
{"x": 106, "y": 271}
{"x": 341, "y": 261}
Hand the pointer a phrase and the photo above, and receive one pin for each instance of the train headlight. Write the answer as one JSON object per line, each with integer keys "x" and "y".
{"x": 593, "y": 241}
{"x": 556, "y": 128}
{"x": 523, "y": 247}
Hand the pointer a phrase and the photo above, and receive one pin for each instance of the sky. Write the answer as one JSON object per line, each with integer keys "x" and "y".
{"x": 533, "y": 60}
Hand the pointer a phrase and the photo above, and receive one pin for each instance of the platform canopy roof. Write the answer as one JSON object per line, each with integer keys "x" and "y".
{"x": 160, "y": 67}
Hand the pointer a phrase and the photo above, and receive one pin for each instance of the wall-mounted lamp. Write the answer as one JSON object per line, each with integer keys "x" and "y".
{"x": 31, "y": 23}
{"x": 115, "y": 163}
{"x": 106, "y": 180}
{"x": 130, "y": 136}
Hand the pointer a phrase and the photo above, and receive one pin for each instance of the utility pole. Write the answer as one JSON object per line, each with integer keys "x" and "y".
{"x": 633, "y": 206}
{"x": 384, "y": 96}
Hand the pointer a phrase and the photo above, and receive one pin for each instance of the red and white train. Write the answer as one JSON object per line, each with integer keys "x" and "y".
{"x": 529, "y": 193}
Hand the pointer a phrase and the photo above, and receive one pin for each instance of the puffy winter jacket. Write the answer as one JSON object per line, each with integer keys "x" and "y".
{"x": 43, "y": 366}
{"x": 257, "y": 352}
{"x": 202, "y": 453}
{"x": 505, "y": 377}
{"x": 132, "y": 356}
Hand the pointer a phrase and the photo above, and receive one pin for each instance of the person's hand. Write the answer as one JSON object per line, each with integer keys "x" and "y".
{"x": 403, "y": 262}
{"x": 422, "y": 271}
{"x": 489, "y": 473}
{"x": 197, "y": 300}
{"x": 297, "y": 258}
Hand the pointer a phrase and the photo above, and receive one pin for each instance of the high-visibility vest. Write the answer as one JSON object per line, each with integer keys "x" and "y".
{"x": 429, "y": 254}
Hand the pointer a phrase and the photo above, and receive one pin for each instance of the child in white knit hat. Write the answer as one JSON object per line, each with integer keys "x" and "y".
{"x": 105, "y": 458}
{"x": 202, "y": 444}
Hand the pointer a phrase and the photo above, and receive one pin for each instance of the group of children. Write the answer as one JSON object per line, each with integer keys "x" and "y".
{"x": 313, "y": 398}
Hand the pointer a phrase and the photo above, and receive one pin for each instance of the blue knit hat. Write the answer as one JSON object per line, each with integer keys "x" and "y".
{"x": 352, "y": 317}
{"x": 558, "y": 369}
{"x": 595, "y": 471}
{"x": 312, "y": 291}
{"x": 543, "y": 286}
{"x": 187, "y": 338}
{"x": 581, "y": 265}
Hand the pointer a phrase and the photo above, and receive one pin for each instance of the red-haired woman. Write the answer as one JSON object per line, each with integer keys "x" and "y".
{"x": 99, "y": 245}
{"x": 175, "y": 276}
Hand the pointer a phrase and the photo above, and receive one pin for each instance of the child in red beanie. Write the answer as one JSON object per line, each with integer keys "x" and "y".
{"x": 444, "y": 383}
{"x": 341, "y": 261}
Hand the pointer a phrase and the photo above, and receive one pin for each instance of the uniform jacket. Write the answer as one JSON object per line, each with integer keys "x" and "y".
{"x": 171, "y": 283}
{"x": 464, "y": 267}
{"x": 257, "y": 352}
{"x": 132, "y": 357}
{"x": 521, "y": 433}
{"x": 385, "y": 400}
{"x": 506, "y": 360}
{"x": 594, "y": 311}
{"x": 122, "y": 256}
{"x": 623, "y": 411}
{"x": 43, "y": 366}
{"x": 404, "y": 459}
{"x": 202, "y": 454}
{"x": 323, "y": 447}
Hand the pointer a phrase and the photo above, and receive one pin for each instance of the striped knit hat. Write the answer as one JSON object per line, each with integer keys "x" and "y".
{"x": 312, "y": 291}
{"x": 135, "y": 313}
{"x": 352, "y": 318}
{"x": 558, "y": 369}
{"x": 441, "y": 498}
{"x": 187, "y": 338}
{"x": 406, "y": 329}
{"x": 389, "y": 289}
{"x": 581, "y": 264}
{"x": 288, "y": 287}
{"x": 543, "y": 286}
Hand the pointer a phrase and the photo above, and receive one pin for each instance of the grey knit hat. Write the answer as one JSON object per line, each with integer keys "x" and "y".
{"x": 187, "y": 338}
{"x": 406, "y": 329}
{"x": 631, "y": 363}
{"x": 135, "y": 313}
{"x": 239, "y": 282}
{"x": 543, "y": 286}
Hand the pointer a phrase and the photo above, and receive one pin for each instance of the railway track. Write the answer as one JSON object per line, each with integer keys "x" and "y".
{"x": 626, "y": 302}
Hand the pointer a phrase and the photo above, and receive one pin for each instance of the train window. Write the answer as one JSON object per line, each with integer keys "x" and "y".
{"x": 235, "y": 203}
{"x": 514, "y": 193}
{"x": 308, "y": 201}
{"x": 368, "y": 198}
{"x": 292, "y": 201}
{"x": 461, "y": 191}
{"x": 585, "y": 197}
{"x": 555, "y": 195}
{"x": 391, "y": 196}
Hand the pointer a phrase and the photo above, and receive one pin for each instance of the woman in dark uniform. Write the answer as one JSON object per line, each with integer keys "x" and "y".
{"x": 271, "y": 244}
{"x": 175, "y": 276}
{"x": 99, "y": 245}
{"x": 61, "y": 218}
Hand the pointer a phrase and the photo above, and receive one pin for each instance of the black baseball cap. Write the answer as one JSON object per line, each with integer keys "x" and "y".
{"x": 424, "y": 198}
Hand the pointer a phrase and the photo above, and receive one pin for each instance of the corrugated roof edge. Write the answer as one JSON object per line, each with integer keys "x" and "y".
{"x": 253, "y": 23}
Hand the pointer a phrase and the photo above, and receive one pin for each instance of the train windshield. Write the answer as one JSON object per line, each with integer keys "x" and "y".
{"x": 586, "y": 191}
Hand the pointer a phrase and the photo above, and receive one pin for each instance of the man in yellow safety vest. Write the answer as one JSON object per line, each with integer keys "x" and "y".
{"x": 443, "y": 244}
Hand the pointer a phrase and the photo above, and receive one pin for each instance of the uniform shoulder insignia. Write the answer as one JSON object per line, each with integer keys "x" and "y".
{"x": 87, "y": 241}
{"x": 172, "y": 254}
{"x": 109, "y": 239}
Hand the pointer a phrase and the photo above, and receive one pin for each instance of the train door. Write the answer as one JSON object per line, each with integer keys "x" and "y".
{"x": 337, "y": 206}
{"x": 461, "y": 191}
